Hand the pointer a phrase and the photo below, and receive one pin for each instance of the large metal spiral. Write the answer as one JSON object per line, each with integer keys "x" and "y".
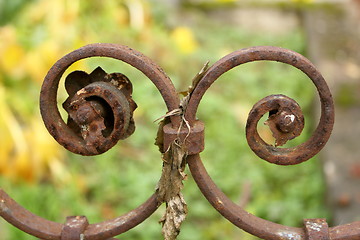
{"x": 283, "y": 156}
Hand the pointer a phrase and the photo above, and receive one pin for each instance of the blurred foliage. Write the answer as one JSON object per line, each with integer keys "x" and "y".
{"x": 53, "y": 183}
{"x": 347, "y": 95}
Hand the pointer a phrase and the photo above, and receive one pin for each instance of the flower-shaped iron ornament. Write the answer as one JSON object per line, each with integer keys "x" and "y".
{"x": 100, "y": 108}
{"x": 100, "y": 112}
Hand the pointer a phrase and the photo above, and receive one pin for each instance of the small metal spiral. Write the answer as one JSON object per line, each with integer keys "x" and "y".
{"x": 285, "y": 121}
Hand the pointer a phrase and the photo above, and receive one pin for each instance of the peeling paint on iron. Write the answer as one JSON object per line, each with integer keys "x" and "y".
{"x": 3, "y": 207}
{"x": 81, "y": 91}
{"x": 84, "y": 128}
{"x": 292, "y": 117}
{"x": 289, "y": 236}
{"x": 314, "y": 226}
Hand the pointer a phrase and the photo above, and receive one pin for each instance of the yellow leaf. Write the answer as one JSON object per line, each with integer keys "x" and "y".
{"x": 44, "y": 151}
{"x": 6, "y": 142}
{"x": 34, "y": 66}
{"x": 22, "y": 168}
{"x": 39, "y": 61}
{"x": 303, "y": 1}
{"x": 227, "y": 1}
{"x": 11, "y": 57}
{"x": 184, "y": 39}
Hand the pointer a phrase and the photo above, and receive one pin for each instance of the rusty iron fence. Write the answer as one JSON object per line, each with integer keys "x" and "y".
{"x": 100, "y": 109}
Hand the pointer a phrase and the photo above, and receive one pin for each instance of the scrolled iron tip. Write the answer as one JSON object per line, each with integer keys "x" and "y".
{"x": 100, "y": 108}
{"x": 286, "y": 122}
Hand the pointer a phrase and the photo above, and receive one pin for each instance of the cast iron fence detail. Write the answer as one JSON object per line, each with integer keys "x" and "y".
{"x": 100, "y": 108}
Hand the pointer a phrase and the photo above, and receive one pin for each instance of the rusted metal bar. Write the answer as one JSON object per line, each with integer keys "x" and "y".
{"x": 239, "y": 217}
{"x": 259, "y": 227}
{"x": 48, "y": 230}
{"x": 116, "y": 226}
{"x": 27, "y": 221}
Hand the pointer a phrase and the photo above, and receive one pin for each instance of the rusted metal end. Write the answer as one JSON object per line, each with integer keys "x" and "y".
{"x": 100, "y": 108}
{"x": 74, "y": 228}
{"x": 194, "y": 137}
{"x": 316, "y": 229}
{"x": 286, "y": 120}
{"x": 101, "y": 114}
{"x": 77, "y": 81}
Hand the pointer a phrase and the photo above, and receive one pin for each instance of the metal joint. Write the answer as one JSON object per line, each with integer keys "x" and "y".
{"x": 316, "y": 229}
{"x": 193, "y": 137}
{"x": 74, "y": 228}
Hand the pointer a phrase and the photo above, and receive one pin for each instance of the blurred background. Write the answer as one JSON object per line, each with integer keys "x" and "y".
{"x": 181, "y": 36}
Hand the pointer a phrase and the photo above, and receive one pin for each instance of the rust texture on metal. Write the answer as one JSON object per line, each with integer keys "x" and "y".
{"x": 89, "y": 108}
{"x": 74, "y": 228}
{"x": 194, "y": 137}
{"x": 316, "y": 229}
{"x": 286, "y": 120}
{"x": 100, "y": 112}
{"x": 100, "y": 108}
{"x": 41, "y": 228}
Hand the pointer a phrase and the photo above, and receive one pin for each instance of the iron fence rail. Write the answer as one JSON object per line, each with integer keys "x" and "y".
{"x": 100, "y": 108}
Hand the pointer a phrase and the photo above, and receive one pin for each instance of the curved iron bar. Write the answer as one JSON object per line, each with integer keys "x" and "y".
{"x": 254, "y": 225}
{"x": 39, "y": 227}
{"x": 239, "y": 217}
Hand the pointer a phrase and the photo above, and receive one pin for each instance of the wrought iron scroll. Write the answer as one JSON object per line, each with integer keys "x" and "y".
{"x": 100, "y": 108}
